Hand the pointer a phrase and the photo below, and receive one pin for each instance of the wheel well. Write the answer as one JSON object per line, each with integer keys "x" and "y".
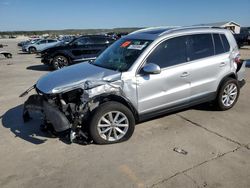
{"x": 119, "y": 99}
{"x": 64, "y": 55}
{"x": 32, "y": 47}
{"x": 232, "y": 75}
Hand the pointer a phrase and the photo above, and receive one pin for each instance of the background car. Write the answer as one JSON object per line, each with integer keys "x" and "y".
{"x": 80, "y": 49}
{"x": 26, "y": 42}
{"x": 39, "y": 45}
{"x": 243, "y": 37}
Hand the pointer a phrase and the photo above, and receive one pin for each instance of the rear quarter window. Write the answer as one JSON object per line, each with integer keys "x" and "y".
{"x": 218, "y": 45}
{"x": 225, "y": 43}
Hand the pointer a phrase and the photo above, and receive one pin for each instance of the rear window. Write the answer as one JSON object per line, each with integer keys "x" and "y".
{"x": 225, "y": 43}
{"x": 219, "y": 48}
{"x": 200, "y": 46}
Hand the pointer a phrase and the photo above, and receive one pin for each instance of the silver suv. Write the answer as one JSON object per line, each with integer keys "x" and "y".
{"x": 145, "y": 74}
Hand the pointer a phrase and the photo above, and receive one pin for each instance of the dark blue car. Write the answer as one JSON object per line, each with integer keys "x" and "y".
{"x": 80, "y": 49}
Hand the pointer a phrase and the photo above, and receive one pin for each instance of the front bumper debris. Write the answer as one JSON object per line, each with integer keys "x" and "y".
{"x": 51, "y": 113}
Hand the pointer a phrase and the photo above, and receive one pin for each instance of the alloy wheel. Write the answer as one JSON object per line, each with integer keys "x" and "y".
{"x": 229, "y": 95}
{"x": 113, "y": 126}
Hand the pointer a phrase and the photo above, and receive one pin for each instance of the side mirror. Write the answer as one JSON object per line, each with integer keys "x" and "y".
{"x": 151, "y": 68}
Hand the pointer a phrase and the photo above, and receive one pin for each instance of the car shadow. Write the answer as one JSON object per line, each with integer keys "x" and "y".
{"x": 29, "y": 131}
{"x": 39, "y": 68}
{"x": 23, "y": 53}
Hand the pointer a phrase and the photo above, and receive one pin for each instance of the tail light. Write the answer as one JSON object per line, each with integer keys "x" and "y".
{"x": 238, "y": 62}
{"x": 237, "y": 59}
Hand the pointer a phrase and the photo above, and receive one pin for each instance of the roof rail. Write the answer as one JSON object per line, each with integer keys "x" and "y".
{"x": 152, "y": 28}
{"x": 188, "y": 27}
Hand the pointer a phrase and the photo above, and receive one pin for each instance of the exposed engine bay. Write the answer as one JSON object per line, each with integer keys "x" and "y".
{"x": 66, "y": 114}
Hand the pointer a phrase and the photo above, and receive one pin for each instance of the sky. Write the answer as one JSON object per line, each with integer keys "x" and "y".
{"x": 96, "y": 14}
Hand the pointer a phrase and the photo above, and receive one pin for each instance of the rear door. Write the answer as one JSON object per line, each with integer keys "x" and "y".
{"x": 41, "y": 44}
{"x": 98, "y": 44}
{"x": 80, "y": 48}
{"x": 171, "y": 87}
{"x": 209, "y": 63}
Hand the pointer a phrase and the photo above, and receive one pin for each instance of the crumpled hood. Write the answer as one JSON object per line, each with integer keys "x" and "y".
{"x": 74, "y": 76}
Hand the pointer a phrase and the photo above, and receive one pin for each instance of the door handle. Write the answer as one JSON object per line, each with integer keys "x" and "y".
{"x": 185, "y": 74}
{"x": 222, "y": 64}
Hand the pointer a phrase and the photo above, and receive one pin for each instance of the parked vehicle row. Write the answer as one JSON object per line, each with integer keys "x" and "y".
{"x": 145, "y": 74}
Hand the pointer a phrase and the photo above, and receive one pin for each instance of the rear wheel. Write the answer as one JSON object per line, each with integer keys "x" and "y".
{"x": 112, "y": 123}
{"x": 228, "y": 94}
{"x": 32, "y": 50}
{"x": 59, "y": 62}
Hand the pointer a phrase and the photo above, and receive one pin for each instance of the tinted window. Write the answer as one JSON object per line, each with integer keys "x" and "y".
{"x": 99, "y": 40}
{"x": 170, "y": 52}
{"x": 225, "y": 42}
{"x": 82, "y": 41}
{"x": 42, "y": 42}
{"x": 219, "y": 49}
{"x": 51, "y": 41}
{"x": 200, "y": 46}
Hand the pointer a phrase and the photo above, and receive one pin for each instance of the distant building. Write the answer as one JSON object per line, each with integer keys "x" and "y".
{"x": 235, "y": 27}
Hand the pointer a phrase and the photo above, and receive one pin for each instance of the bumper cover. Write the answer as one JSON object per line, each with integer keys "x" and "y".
{"x": 52, "y": 114}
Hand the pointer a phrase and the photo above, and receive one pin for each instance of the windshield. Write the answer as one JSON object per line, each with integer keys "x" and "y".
{"x": 122, "y": 54}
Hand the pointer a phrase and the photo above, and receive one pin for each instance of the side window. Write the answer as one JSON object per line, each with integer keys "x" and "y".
{"x": 42, "y": 42}
{"x": 225, "y": 43}
{"x": 219, "y": 49}
{"x": 97, "y": 40}
{"x": 82, "y": 41}
{"x": 200, "y": 46}
{"x": 49, "y": 41}
{"x": 170, "y": 52}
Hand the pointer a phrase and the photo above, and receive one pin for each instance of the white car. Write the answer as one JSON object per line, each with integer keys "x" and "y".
{"x": 40, "y": 45}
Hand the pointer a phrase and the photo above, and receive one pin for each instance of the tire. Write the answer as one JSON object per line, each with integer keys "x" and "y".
{"x": 103, "y": 131}
{"x": 59, "y": 62}
{"x": 32, "y": 50}
{"x": 225, "y": 100}
{"x": 9, "y": 56}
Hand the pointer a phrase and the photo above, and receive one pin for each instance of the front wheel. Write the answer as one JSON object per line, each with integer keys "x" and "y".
{"x": 59, "y": 62}
{"x": 32, "y": 50}
{"x": 112, "y": 122}
{"x": 228, "y": 94}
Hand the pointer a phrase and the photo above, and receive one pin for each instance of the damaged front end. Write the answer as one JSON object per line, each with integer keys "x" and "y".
{"x": 66, "y": 113}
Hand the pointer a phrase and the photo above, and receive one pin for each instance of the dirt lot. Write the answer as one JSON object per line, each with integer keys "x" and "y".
{"x": 217, "y": 144}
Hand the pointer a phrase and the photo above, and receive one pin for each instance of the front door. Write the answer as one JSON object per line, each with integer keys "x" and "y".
{"x": 171, "y": 87}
